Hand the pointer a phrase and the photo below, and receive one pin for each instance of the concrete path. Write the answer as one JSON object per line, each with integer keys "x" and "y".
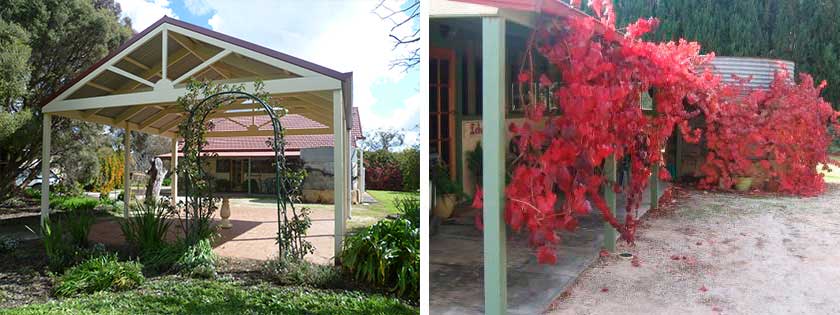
{"x": 457, "y": 266}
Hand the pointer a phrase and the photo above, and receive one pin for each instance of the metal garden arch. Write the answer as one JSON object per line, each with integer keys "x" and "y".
{"x": 283, "y": 200}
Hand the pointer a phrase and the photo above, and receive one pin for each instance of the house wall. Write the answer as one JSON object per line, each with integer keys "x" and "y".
{"x": 318, "y": 184}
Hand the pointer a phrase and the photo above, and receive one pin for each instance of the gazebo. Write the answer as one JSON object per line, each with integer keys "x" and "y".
{"x": 136, "y": 87}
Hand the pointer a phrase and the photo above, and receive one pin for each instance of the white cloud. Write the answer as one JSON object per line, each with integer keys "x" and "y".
{"x": 198, "y": 7}
{"x": 143, "y": 13}
{"x": 342, "y": 35}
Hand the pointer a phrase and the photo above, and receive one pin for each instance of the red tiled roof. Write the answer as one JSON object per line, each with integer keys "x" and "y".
{"x": 291, "y": 121}
{"x": 254, "y": 144}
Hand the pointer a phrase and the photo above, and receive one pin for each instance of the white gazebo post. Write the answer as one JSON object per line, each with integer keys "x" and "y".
{"x": 339, "y": 171}
{"x": 361, "y": 173}
{"x": 173, "y": 173}
{"x": 348, "y": 172}
{"x": 45, "y": 167}
{"x": 127, "y": 170}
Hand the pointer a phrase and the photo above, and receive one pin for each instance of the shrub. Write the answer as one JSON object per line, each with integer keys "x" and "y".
{"x": 58, "y": 252}
{"x": 386, "y": 254}
{"x": 13, "y": 203}
{"x": 409, "y": 209}
{"x": 146, "y": 229}
{"x": 167, "y": 181}
{"x": 382, "y": 171}
{"x": 8, "y": 244}
{"x": 78, "y": 224}
{"x": 409, "y": 161}
{"x": 32, "y": 193}
{"x": 198, "y": 260}
{"x": 73, "y": 203}
{"x": 64, "y": 249}
{"x": 287, "y": 271}
{"x": 99, "y": 274}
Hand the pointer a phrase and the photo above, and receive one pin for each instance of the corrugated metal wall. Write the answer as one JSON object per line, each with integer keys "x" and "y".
{"x": 762, "y": 70}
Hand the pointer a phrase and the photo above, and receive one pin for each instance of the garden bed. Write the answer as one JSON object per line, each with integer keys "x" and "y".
{"x": 25, "y": 288}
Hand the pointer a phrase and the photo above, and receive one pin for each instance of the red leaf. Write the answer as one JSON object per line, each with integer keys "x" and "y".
{"x": 675, "y": 257}
{"x": 703, "y": 289}
{"x": 605, "y": 289}
{"x": 524, "y": 77}
{"x": 604, "y": 253}
{"x": 478, "y": 198}
{"x": 545, "y": 81}
{"x": 546, "y": 255}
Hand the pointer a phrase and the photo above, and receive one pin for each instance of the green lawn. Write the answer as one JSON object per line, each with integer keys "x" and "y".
{"x": 386, "y": 200}
{"x": 834, "y": 175}
{"x": 365, "y": 215}
{"x": 174, "y": 295}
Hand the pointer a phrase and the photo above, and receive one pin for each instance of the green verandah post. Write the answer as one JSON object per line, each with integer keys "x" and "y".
{"x": 654, "y": 176}
{"x": 609, "y": 196}
{"x": 493, "y": 140}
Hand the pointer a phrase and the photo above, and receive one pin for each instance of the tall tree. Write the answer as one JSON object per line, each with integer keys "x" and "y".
{"x": 804, "y": 31}
{"x": 63, "y": 37}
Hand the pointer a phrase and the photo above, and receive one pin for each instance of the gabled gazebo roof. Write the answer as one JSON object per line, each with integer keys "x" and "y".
{"x": 133, "y": 88}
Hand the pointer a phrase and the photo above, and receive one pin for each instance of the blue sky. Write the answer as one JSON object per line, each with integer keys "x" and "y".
{"x": 343, "y": 35}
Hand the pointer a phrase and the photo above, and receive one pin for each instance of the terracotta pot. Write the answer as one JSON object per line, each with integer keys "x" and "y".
{"x": 445, "y": 205}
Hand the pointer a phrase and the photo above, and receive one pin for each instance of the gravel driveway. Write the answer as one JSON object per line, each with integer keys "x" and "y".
{"x": 722, "y": 253}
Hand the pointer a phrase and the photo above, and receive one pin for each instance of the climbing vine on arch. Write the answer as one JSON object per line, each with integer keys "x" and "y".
{"x": 202, "y": 101}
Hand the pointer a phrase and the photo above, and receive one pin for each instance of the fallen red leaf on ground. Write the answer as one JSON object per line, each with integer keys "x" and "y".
{"x": 604, "y": 289}
{"x": 675, "y": 257}
{"x": 604, "y": 253}
{"x": 703, "y": 289}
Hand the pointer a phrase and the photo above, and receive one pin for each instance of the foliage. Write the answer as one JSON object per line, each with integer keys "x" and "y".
{"x": 52, "y": 55}
{"x": 557, "y": 176}
{"x": 443, "y": 182}
{"x": 8, "y": 244}
{"x": 53, "y": 238}
{"x": 409, "y": 209}
{"x": 409, "y": 161}
{"x": 32, "y": 193}
{"x": 99, "y": 274}
{"x": 198, "y": 260}
{"x": 14, "y": 70}
{"x": 78, "y": 222}
{"x": 386, "y": 254}
{"x": 383, "y": 140}
{"x": 193, "y": 296}
{"x": 805, "y": 32}
{"x": 382, "y": 171}
{"x": 111, "y": 171}
{"x": 145, "y": 229}
{"x": 777, "y": 136}
{"x": 62, "y": 248}
{"x": 475, "y": 161}
{"x": 286, "y": 271}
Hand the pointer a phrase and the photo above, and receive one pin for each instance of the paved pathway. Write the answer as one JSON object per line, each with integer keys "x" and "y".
{"x": 253, "y": 234}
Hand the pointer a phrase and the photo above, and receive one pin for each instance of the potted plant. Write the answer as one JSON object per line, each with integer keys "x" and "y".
{"x": 447, "y": 191}
{"x": 474, "y": 162}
